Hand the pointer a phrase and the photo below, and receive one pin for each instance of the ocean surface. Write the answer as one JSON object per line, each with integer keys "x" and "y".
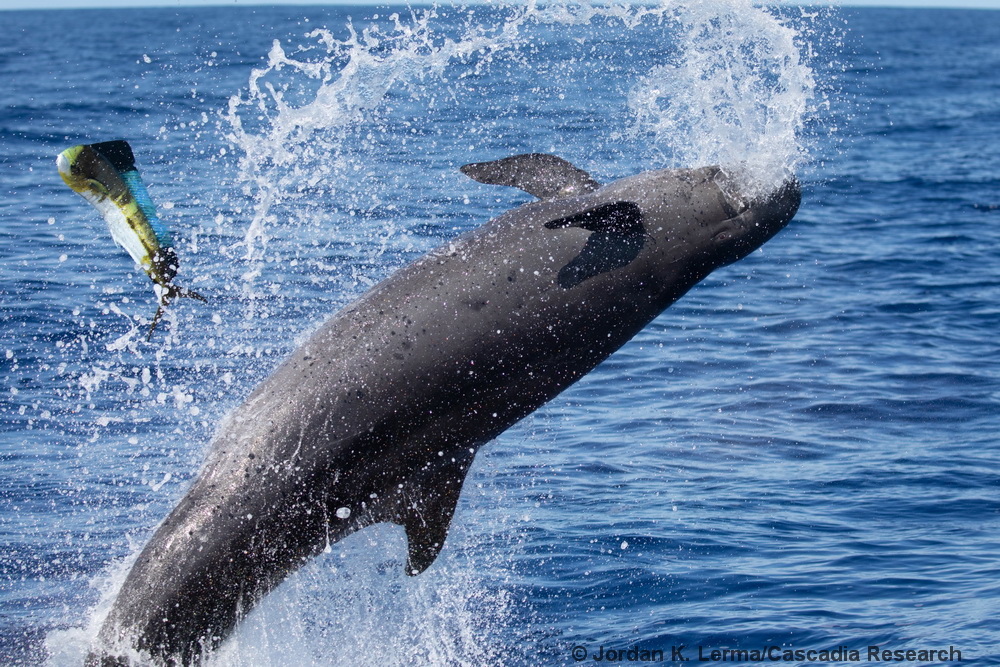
{"x": 802, "y": 453}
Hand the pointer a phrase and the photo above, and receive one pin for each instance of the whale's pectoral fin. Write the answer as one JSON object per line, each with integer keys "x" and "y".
{"x": 427, "y": 527}
{"x": 427, "y": 517}
{"x": 540, "y": 174}
{"x": 620, "y": 217}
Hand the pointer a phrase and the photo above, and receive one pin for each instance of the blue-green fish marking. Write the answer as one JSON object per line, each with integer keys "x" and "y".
{"x": 138, "y": 189}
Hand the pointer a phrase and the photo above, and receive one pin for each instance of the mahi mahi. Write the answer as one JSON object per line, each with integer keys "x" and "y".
{"x": 105, "y": 175}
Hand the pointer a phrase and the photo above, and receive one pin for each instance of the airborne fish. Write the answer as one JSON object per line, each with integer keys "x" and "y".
{"x": 105, "y": 175}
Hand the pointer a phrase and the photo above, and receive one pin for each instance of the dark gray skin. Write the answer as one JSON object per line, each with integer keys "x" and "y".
{"x": 378, "y": 416}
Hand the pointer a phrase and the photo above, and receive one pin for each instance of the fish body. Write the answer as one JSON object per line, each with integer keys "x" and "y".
{"x": 105, "y": 175}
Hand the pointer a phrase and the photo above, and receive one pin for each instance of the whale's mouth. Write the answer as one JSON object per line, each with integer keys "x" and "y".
{"x": 758, "y": 218}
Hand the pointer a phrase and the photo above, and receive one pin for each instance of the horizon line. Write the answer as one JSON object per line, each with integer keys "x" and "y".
{"x": 47, "y": 5}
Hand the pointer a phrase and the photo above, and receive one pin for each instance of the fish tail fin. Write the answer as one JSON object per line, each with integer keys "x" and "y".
{"x": 188, "y": 294}
{"x": 172, "y": 292}
{"x": 156, "y": 319}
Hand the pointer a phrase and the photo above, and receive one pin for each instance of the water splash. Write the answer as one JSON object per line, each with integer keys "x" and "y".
{"x": 736, "y": 93}
{"x": 290, "y": 149}
{"x": 355, "y": 605}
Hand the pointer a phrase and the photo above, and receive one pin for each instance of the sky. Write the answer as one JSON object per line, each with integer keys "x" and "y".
{"x": 46, "y": 4}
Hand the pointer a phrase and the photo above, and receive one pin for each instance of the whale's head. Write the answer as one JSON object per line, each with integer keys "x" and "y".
{"x": 758, "y": 216}
{"x": 701, "y": 219}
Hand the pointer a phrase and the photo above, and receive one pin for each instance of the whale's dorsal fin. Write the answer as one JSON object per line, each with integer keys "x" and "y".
{"x": 428, "y": 512}
{"x": 540, "y": 174}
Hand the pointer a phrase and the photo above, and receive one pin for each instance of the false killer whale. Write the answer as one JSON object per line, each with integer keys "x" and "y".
{"x": 378, "y": 415}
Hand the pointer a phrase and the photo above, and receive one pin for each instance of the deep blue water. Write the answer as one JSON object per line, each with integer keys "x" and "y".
{"x": 801, "y": 453}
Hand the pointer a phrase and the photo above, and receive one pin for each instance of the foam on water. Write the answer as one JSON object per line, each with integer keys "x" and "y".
{"x": 68, "y": 647}
{"x": 355, "y": 605}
